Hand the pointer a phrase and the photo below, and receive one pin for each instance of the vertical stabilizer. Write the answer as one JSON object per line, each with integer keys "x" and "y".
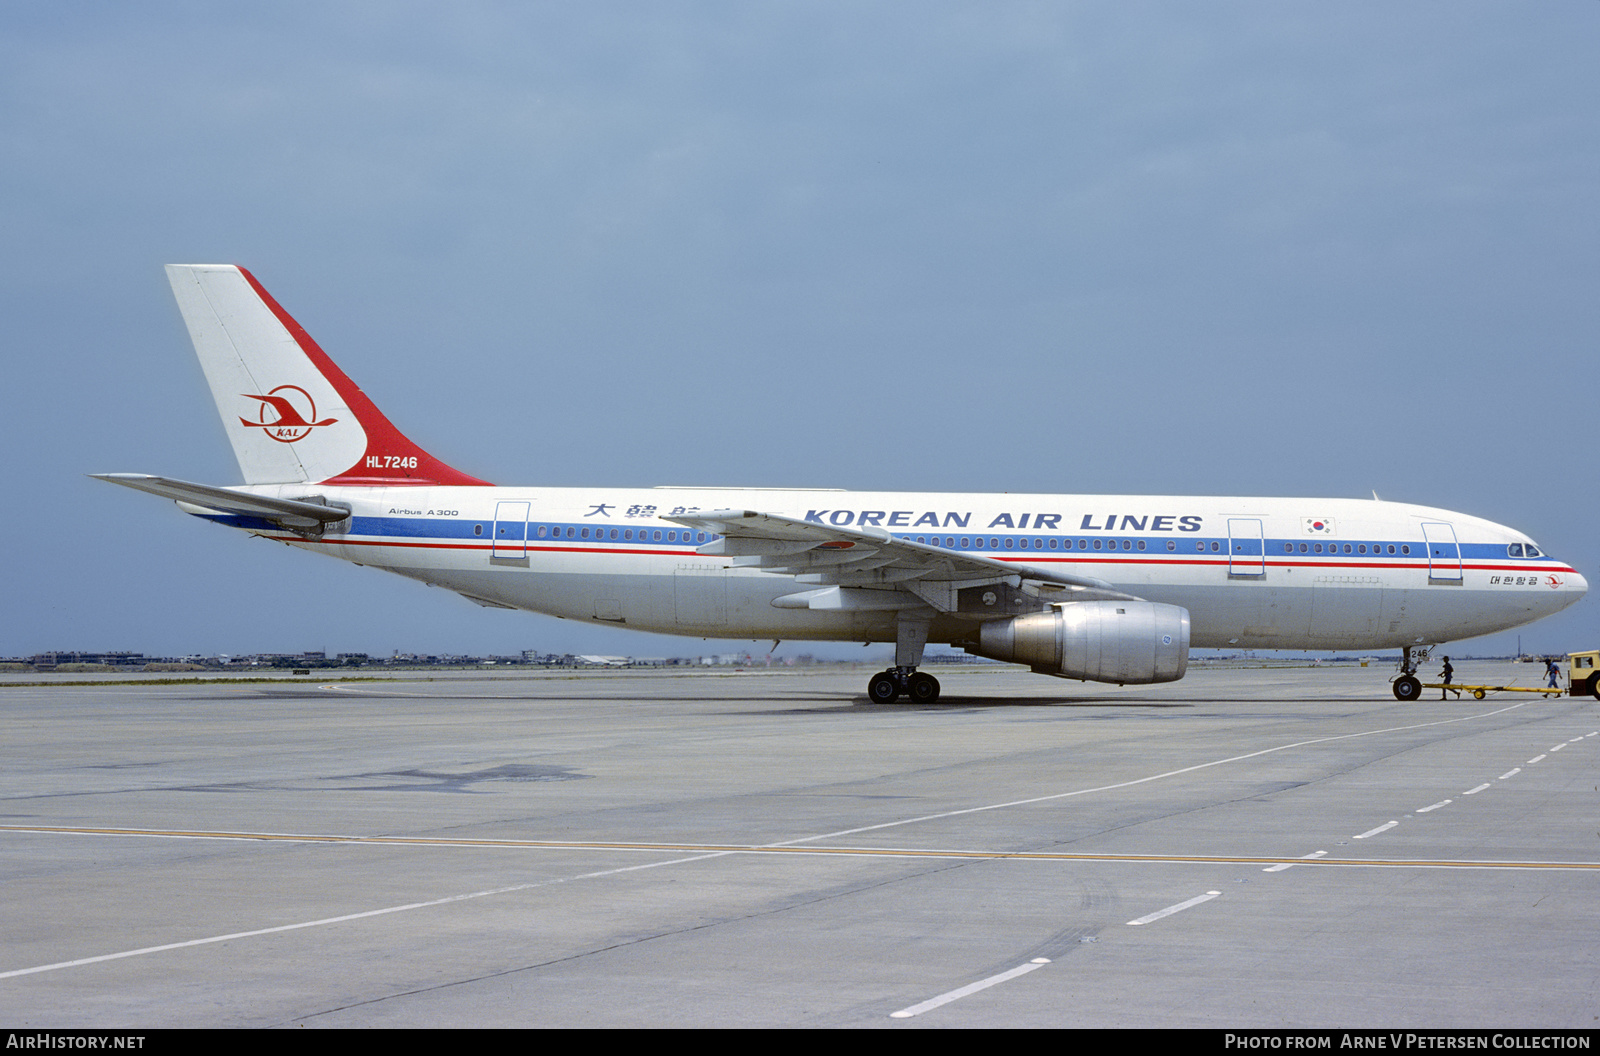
{"x": 291, "y": 414}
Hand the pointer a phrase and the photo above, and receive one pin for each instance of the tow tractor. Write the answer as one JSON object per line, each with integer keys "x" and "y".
{"x": 1583, "y": 674}
{"x": 1583, "y": 679}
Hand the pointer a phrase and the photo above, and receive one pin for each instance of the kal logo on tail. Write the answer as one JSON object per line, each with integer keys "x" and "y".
{"x": 290, "y": 424}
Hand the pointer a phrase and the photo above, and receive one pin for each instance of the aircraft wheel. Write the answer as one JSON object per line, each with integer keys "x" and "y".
{"x": 883, "y": 688}
{"x": 1407, "y": 688}
{"x": 924, "y": 689}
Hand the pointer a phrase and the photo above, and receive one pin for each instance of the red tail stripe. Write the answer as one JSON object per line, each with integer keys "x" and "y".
{"x": 383, "y": 439}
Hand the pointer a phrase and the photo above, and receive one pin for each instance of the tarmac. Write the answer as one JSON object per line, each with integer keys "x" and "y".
{"x": 1279, "y": 848}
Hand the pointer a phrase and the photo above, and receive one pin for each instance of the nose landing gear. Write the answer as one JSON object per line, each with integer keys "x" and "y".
{"x": 1408, "y": 687}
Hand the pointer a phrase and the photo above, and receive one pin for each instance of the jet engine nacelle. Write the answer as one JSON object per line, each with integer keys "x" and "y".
{"x": 1126, "y": 642}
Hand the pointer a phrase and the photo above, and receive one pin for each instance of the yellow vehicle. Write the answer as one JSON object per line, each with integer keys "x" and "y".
{"x": 1583, "y": 674}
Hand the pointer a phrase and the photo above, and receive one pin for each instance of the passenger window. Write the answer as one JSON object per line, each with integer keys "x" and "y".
{"x": 1215, "y": 547}
{"x": 1316, "y": 548}
{"x": 477, "y": 529}
{"x": 658, "y": 535}
{"x": 1404, "y": 549}
{"x": 1304, "y": 547}
{"x": 1171, "y": 545}
{"x": 1097, "y": 544}
{"x": 1360, "y": 549}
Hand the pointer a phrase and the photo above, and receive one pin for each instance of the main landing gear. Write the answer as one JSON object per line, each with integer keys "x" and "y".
{"x": 885, "y": 686}
{"x": 911, "y": 635}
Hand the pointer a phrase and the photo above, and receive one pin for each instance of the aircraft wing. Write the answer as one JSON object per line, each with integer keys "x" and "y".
{"x": 868, "y": 568}
{"x": 290, "y": 513}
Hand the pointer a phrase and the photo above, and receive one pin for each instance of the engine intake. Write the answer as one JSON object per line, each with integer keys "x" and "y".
{"x": 1126, "y": 642}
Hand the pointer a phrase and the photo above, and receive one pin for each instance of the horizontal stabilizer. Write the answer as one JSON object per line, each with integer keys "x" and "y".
{"x": 291, "y": 513}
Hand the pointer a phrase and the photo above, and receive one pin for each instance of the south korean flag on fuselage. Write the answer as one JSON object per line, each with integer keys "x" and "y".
{"x": 1317, "y": 525}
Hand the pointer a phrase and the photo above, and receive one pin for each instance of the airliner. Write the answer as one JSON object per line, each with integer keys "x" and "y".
{"x": 1103, "y": 588}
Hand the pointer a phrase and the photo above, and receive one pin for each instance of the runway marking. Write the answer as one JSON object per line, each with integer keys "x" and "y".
{"x": 1475, "y": 791}
{"x": 386, "y": 910}
{"x": 1281, "y": 866}
{"x": 700, "y": 851}
{"x": 1143, "y": 780}
{"x": 1432, "y": 806}
{"x": 971, "y": 988}
{"x": 1510, "y": 773}
{"x": 1535, "y": 759}
{"x": 1179, "y": 908}
{"x": 1558, "y": 747}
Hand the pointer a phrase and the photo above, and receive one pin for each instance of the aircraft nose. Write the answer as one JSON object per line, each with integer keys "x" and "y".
{"x": 1577, "y": 584}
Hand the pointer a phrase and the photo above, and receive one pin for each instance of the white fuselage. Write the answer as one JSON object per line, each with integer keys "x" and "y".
{"x": 1279, "y": 573}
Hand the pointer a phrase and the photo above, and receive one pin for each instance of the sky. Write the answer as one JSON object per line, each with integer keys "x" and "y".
{"x": 1258, "y": 248}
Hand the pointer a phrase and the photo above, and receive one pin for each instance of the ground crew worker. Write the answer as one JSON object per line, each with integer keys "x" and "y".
{"x": 1444, "y": 677}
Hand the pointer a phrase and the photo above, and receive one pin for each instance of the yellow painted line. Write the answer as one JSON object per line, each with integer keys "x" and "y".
{"x": 738, "y": 848}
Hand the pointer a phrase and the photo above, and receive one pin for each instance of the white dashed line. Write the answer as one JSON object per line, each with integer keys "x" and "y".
{"x": 1535, "y": 759}
{"x": 1472, "y": 791}
{"x": 1179, "y": 908}
{"x": 1373, "y": 832}
{"x": 1510, "y": 773}
{"x": 956, "y": 995}
{"x": 1432, "y": 806}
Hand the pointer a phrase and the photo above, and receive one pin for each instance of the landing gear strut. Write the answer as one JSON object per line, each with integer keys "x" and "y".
{"x": 911, "y": 635}
{"x": 1408, "y": 687}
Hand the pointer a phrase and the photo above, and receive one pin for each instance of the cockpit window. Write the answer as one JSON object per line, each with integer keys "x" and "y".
{"x": 1531, "y": 551}
{"x": 1514, "y": 550}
